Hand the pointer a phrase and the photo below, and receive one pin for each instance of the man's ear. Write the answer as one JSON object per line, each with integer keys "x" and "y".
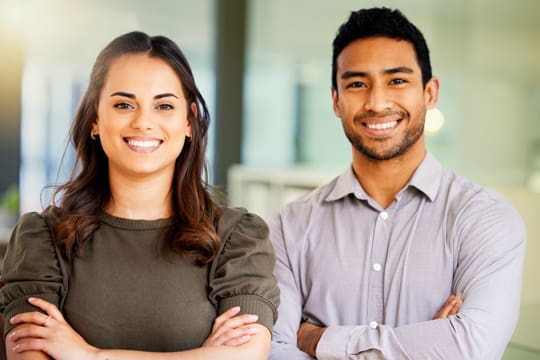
{"x": 431, "y": 92}
{"x": 335, "y": 104}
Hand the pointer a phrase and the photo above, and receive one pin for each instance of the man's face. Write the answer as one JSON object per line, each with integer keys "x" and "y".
{"x": 380, "y": 97}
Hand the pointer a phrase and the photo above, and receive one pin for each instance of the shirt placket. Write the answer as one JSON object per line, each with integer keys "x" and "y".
{"x": 376, "y": 277}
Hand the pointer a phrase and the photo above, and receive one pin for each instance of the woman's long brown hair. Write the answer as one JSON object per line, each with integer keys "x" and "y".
{"x": 81, "y": 199}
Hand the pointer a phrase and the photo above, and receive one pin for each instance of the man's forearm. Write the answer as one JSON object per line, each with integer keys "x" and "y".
{"x": 308, "y": 337}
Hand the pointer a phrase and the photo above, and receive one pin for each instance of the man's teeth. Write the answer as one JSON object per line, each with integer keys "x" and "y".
{"x": 143, "y": 144}
{"x": 382, "y": 126}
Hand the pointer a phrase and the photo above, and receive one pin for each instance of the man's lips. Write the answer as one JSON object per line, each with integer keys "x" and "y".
{"x": 382, "y": 126}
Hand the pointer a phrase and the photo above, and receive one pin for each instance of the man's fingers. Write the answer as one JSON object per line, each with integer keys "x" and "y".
{"x": 450, "y": 307}
{"x": 444, "y": 312}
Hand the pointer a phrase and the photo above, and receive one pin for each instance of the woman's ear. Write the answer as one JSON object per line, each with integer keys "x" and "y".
{"x": 195, "y": 112}
{"x": 95, "y": 129}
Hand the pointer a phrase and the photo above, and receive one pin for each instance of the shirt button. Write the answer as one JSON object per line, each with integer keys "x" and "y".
{"x": 377, "y": 267}
{"x": 384, "y": 215}
{"x": 373, "y": 325}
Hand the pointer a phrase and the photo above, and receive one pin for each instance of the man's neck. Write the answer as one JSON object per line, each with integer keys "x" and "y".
{"x": 383, "y": 179}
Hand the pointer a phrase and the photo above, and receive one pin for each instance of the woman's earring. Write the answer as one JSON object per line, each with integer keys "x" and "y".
{"x": 93, "y": 136}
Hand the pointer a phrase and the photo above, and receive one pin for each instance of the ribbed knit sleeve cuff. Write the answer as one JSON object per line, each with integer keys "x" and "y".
{"x": 252, "y": 304}
{"x": 22, "y": 305}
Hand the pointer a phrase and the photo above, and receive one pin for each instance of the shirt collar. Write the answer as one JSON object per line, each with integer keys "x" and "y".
{"x": 346, "y": 184}
{"x": 426, "y": 179}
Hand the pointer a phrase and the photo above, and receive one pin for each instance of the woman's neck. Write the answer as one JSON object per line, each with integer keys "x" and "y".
{"x": 140, "y": 198}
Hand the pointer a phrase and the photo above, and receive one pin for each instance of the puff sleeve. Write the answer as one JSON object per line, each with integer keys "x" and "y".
{"x": 242, "y": 273}
{"x": 31, "y": 268}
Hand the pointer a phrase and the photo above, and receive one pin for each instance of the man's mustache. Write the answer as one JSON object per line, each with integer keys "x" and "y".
{"x": 373, "y": 115}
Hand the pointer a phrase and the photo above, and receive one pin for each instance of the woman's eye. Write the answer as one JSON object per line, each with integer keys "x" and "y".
{"x": 123, "y": 106}
{"x": 164, "y": 107}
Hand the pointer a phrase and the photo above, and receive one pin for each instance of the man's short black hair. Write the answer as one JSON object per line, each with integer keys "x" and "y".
{"x": 381, "y": 21}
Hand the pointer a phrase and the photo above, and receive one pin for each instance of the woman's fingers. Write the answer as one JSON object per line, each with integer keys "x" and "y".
{"x": 232, "y": 337}
{"x": 34, "y": 317}
{"x": 30, "y": 344}
{"x": 232, "y": 329}
{"x": 46, "y": 306}
{"x": 228, "y": 314}
{"x": 234, "y": 323}
{"x": 33, "y": 331}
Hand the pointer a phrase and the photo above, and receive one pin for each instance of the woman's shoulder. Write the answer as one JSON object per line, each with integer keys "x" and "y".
{"x": 34, "y": 225}
{"x": 237, "y": 219}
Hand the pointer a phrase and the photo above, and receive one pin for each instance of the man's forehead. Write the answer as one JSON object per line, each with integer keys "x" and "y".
{"x": 377, "y": 54}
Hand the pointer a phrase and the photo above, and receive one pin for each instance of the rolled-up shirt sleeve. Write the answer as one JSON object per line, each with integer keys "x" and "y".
{"x": 31, "y": 268}
{"x": 491, "y": 248}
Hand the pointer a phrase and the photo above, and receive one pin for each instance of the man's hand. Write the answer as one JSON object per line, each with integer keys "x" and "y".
{"x": 309, "y": 334}
{"x": 308, "y": 337}
{"x": 450, "y": 307}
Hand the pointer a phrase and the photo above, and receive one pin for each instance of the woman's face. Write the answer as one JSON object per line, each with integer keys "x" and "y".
{"x": 142, "y": 119}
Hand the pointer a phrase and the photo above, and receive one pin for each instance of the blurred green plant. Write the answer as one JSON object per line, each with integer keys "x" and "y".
{"x": 10, "y": 200}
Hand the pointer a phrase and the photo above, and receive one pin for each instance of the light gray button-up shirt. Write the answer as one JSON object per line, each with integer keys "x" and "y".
{"x": 376, "y": 277}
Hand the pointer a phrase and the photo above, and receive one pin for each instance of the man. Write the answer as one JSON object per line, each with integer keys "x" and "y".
{"x": 365, "y": 261}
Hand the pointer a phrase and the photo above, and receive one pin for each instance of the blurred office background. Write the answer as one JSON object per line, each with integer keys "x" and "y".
{"x": 264, "y": 69}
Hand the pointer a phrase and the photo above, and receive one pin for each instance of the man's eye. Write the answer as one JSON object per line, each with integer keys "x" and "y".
{"x": 164, "y": 107}
{"x": 398, "y": 81}
{"x": 356, "y": 84}
{"x": 123, "y": 106}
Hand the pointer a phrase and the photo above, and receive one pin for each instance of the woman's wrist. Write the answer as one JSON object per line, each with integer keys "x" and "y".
{"x": 96, "y": 354}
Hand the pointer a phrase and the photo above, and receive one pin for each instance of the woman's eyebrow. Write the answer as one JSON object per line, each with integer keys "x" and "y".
{"x": 132, "y": 96}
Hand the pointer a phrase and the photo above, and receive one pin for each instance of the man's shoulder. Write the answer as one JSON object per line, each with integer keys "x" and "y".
{"x": 465, "y": 195}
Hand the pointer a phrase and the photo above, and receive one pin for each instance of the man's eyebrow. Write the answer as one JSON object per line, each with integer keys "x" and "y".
{"x": 399, "y": 69}
{"x": 350, "y": 74}
{"x": 396, "y": 70}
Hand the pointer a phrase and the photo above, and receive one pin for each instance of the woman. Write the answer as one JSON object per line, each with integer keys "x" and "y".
{"x": 137, "y": 256}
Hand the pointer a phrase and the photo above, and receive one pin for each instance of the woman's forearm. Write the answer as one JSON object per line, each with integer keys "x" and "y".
{"x": 256, "y": 349}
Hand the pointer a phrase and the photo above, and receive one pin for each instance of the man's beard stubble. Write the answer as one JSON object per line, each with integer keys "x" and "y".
{"x": 412, "y": 135}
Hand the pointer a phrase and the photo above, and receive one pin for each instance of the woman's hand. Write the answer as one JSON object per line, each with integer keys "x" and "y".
{"x": 49, "y": 333}
{"x": 232, "y": 330}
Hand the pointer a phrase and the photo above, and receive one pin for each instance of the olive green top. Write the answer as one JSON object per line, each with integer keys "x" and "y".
{"x": 121, "y": 292}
